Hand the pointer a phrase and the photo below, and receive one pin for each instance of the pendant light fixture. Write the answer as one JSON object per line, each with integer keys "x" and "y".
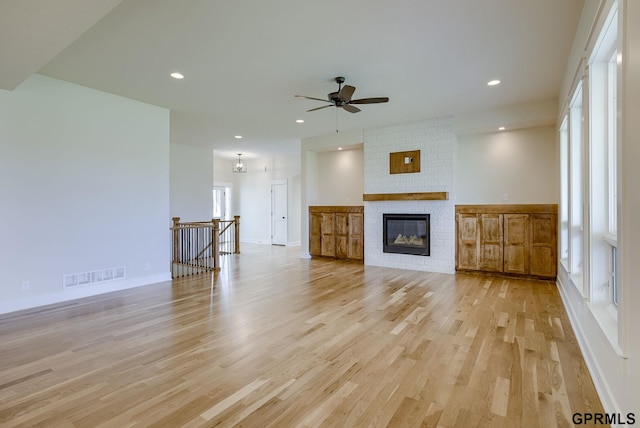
{"x": 239, "y": 165}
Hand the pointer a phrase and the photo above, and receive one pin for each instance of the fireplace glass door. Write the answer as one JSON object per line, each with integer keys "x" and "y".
{"x": 406, "y": 234}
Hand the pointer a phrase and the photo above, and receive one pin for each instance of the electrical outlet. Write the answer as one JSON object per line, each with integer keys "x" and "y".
{"x": 26, "y": 286}
{"x": 147, "y": 266}
{"x": 505, "y": 197}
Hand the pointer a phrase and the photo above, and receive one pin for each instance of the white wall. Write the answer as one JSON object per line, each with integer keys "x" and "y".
{"x": 437, "y": 144}
{"x": 222, "y": 170}
{"x": 251, "y": 197}
{"x": 342, "y": 177}
{"x": 628, "y": 390}
{"x": 84, "y": 183}
{"x": 523, "y": 164}
{"x": 191, "y": 190}
{"x": 312, "y": 176}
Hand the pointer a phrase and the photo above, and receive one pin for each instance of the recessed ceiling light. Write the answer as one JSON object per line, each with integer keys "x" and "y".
{"x": 339, "y": 148}
{"x": 502, "y": 128}
{"x": 238, "y": 136}
{"x": 299, "y": 121}
{"x": 177, "y": 75}
{"x": 493, "y": 82}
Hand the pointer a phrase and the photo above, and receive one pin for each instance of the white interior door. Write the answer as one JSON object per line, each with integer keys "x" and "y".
{"x": 279, "y": 214}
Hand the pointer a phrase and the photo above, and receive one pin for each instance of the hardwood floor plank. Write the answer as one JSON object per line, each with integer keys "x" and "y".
{"x": 273, "y": 340}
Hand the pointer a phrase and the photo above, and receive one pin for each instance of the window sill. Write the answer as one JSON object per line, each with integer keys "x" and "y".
{"x": 577, "y": 281}
{"x": 611, "y": 239}
{"x": 606, "y": 316}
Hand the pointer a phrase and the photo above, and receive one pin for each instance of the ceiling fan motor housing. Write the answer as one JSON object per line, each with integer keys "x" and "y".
{"x": 333, "y": 97}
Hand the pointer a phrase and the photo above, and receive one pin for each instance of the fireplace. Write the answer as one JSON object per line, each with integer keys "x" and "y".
{"x": 406, "y": 234}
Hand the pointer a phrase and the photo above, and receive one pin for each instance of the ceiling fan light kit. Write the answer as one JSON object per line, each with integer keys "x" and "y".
{"x": 342, "y": 98}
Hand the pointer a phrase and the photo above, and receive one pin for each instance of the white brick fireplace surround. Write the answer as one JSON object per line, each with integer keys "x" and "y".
{"x": 436, "y": 141}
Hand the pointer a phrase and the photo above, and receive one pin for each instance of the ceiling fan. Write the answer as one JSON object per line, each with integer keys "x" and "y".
{"x": 342, "y": 98}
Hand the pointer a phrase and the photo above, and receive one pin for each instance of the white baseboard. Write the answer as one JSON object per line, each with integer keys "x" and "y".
{"x": 80, "y": 292}
{"x": 255, "y": 241}
{"x": 267, "y": 242}
{"x": 597, "y": 375}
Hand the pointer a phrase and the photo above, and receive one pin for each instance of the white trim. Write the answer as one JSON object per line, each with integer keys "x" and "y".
{"x": 608, "y": 324}
{"x": 67, "y": 294}
{"x": 601, "y": 22}
{"x": 611, "y": 239}
{"x": 294, "y": 243}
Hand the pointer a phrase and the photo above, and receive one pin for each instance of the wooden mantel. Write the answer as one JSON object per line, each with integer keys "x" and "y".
{"x": 416, "y": 196}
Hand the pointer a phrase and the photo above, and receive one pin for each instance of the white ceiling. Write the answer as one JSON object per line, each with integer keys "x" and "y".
{"x": 245, "y": 60}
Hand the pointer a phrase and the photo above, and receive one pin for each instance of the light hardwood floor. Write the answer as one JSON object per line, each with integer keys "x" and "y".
{"x": 278, "y": 341}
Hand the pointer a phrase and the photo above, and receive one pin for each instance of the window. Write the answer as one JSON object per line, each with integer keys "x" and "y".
{"x": 603, "y": 166}
{"x": 612, "y": 140}
{"x": 612, "y": 173}
{"x": 576, "y": 206}
{"x": 601, "y": 177}
{"x": 614, "y": 275}
{"x": 564, "y": 194}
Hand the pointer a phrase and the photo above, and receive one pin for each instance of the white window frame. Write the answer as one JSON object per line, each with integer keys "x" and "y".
{"x": 576, "y": 190}
{"x": 564, "y": 193}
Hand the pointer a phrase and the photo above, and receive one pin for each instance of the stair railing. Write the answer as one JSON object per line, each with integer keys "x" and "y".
{"x": 197, "y": 246}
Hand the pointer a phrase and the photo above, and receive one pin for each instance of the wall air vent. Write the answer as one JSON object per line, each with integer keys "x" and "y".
{"x": 96, "y": 276}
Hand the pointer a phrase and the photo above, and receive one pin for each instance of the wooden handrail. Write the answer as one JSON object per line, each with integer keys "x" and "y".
{"x": 231, "y": 222}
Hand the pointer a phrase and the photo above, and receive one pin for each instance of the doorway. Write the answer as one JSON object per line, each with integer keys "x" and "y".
{"x": 279, "y": 213}
{"x": 222, "y": 201}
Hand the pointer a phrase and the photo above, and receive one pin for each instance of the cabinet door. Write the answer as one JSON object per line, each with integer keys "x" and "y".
{"x": 516, "y": 243}
{"x": 356, "y": 236}
{"x": 342, "y": 234}
{"x": 468, "y": 241}
{"x": 328, "y": 235}
{"x": 542, "y": 249}
{"x": 491, "y": 256}
{"x": 315, "y": 234}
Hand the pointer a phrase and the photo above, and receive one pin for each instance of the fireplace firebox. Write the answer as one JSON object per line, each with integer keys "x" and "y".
{"x": 406, "y": 234}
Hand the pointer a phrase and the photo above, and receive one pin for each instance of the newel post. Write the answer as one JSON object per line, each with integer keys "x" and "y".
{"x": 215, "y": 238}
{"x": 176, "y": 239}
{"x": 236, "y": 225}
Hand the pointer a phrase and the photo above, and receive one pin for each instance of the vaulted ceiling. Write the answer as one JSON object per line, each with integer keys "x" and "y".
{"x": 244, "y": 61}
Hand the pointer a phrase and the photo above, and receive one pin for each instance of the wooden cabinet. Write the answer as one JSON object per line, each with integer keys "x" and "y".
{"x": 327, "y": 230}
{"x": 543, "y": 247}
{"x": 355, "y": 250}
{"x": 342, "y": 235}
{"x": 315, "y": 233}
{"x": 508, "y": 239}
{"x": 516, "y": 243}
{"x": 491, "y": 255}
{"x": 337, "y": 231}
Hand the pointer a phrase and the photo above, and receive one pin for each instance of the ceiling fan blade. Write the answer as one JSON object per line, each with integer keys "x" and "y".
{"x": 311, "y": 98}
{"x": 350, "y": 108}
{"x": 319, "y": 108}
{"x": 346, "y": 92}
{"x": 370, "y": 100}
